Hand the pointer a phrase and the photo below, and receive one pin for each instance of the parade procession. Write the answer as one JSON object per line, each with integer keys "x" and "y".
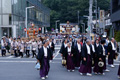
{"x": 88, "y": 57}
{"x": 59, "y": 39}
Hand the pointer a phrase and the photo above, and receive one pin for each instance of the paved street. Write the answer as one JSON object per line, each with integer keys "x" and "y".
{"x": 23, "y": 69}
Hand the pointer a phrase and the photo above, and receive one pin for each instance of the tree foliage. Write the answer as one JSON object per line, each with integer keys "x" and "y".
{"x": 66, "y": 10}
{"x": 117, "y": 36}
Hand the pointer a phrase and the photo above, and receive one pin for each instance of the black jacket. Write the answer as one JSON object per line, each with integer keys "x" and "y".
{"x": 66, "y": 53}
{"x": 85, "y": 54}
{"x": 53, "y": 46}
{"x": 62, "y": 49}
{"x": 40, "y": 56}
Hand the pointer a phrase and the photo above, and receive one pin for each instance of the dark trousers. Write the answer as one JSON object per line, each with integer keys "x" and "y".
{"x": 21, "y": 54}
{"x": 18, "y": 52}
{"x": 111, "y": 57}
{"x": 27, "y": 53}
{"x": 15, "y": 52}
{"x": 34, "y": 52}
{"x": 104, "y": 60}
{"x": 3, "y": 52}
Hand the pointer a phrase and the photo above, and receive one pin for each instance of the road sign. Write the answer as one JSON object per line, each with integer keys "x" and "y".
{"x": 52, "y": 29}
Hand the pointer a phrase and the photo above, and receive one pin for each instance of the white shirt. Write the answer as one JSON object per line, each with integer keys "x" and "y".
{"x": 71, "y": 43}
{"x": 88, "y": 49}
{"x": 15, "y": 44}
{"x": 45, "y": 51}
{"x": 79, "y": 47}
{"x": 2, "y": 43}
{"x": 40, "y": 44}
{"x": 69, "y": 50}
{"x": 93, "y": 48}
{"x": 113, "y": 46}
{"x": 22, "y": 48}
{"x": 34, "y": 45}
{"x": 65, "y": 45}
{"x": 103, "y": 50}
{"x": 50, "y": 44}
{"x": 97, "y": 45}
{"x": 9, "y": 40}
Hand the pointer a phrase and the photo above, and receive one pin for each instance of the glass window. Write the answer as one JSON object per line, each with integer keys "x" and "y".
{"x": 0, "y": 19}
{"x": 10, "y": 19}
{"x": 6, "y": 6}
{"x": 0, "y": 5}
{"x": 5, "y": 20}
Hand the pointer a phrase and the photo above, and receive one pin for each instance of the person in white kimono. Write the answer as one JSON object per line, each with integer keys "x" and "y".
{"x": 21, "y": 49}
{"x": 14, "y": 45}
{"x": 28, "y": 48}
{"x": 34, "y": 47}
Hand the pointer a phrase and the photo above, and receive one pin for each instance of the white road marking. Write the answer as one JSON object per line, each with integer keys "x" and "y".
{"x": 24, "y": 62}
{"x": 56, "y": 55}
{"x": 17, "y": 61}
{"x": 15, "y": 58}
{"x": 57, "y": 48}
{"x": 55, "y": 62}
{"x": 116, "y": 64}
{"x": 10, "y": 57}
{"x": 58, "y": 59}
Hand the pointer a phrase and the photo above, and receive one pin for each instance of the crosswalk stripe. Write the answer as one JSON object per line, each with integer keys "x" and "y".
{"x": 56, "y": 55}
{"x": 18, "y": 61}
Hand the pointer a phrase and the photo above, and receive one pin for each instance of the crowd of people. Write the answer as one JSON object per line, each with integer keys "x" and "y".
{"x": 19, "y": 47}
{"x": 89, "y": 55}
{"x": 78, "y": 52}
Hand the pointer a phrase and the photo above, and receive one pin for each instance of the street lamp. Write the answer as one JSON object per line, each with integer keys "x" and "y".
{"x": 56, "y": 24}
{"x": 26, "y": 16}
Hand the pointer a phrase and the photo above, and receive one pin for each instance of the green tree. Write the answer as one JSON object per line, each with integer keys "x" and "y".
{"x": 117, "y": 36}
{"x": 66, "y": 10}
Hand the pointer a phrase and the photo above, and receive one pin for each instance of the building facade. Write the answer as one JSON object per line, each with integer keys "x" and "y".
{"x": 12, "y": 16}
{"x": 109, "y": 29}
{"x": 115, "y": 14}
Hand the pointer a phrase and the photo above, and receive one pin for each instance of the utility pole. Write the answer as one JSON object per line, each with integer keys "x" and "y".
{"x": 96, "y": 14}
{"x": 99, "y": 16}
{"x": 78, "y": 18}
{"x": 90, "y": 16}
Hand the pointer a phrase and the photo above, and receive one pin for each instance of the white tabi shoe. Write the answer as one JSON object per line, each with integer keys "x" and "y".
{"x": 112, "y": 66}
{"x": 95, "y": 73}
{"x": 88, "y": 74}
{"x": 118, "y": 77}
{"x": 68, "y": 70}
{"x": 106, "y": 70}
{"x": 43, "y": 78}
{"x": 81, "y": 74}
{"x": 46, "y": 76}
{"x": 73, "y": 70}
{"x": 103, "y": 73}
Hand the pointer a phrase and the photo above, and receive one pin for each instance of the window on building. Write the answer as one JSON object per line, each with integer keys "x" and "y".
{"x": 10, "y": 19}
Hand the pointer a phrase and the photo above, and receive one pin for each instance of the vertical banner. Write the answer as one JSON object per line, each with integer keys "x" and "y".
{"x": 102, "y": 15}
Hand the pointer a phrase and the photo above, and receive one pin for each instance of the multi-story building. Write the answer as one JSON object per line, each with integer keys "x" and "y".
{"x": 12, "y": 16}
{"x": 109, "y": 29}
{"x": 115, "y": 14}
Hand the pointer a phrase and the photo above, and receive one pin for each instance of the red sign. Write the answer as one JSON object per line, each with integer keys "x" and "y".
{"x": 25, "y": 29}
{"x": 39, "y": 29}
